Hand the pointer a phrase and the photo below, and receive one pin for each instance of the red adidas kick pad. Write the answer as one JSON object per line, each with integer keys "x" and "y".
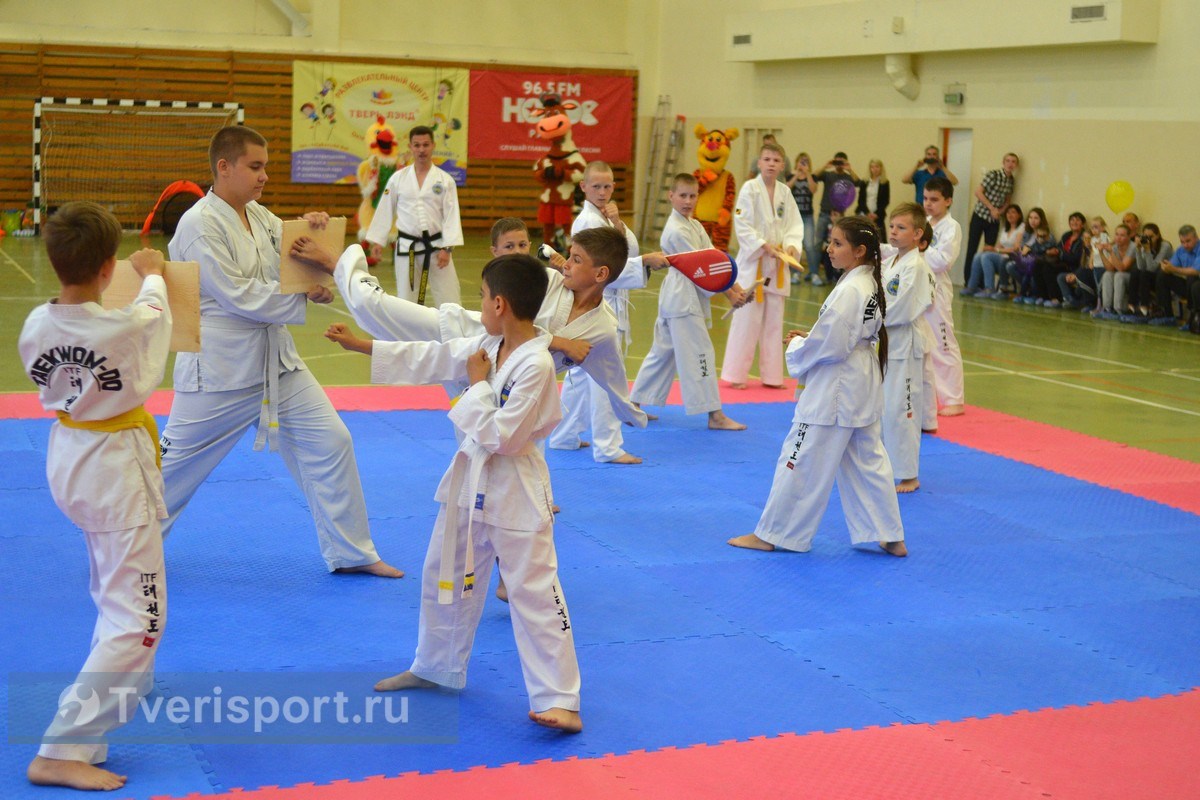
{"x": 712, "y": 270}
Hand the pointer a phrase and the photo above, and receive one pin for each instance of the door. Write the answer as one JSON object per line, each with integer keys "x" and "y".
{"x": 957, "y": 148}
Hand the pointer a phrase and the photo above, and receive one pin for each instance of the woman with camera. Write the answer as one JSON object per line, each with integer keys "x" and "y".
{"x": 1151, "y": 251}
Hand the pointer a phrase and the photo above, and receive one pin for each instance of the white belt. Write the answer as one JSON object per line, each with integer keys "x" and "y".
{"x": 621, "y": 306}
{"x": 268, "y": 417}
{"x": 467, "y": 466}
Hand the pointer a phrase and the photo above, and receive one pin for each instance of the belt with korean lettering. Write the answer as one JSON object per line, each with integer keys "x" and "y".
{"x": 418, "y": 244}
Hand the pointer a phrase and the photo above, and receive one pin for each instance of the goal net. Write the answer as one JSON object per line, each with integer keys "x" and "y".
{"x": 120, "y": 153}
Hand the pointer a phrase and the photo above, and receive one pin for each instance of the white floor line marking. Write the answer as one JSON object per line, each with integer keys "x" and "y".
{"x": 1091, "y": 389}
{"x": 17, "y": 267}
{"x": 1054, "y": 350}
{"x": 331, "y": 355}
{"x": 328, "y": 307}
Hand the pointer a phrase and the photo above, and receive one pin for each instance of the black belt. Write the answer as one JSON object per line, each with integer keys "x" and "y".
{"x": 425, "y": 240}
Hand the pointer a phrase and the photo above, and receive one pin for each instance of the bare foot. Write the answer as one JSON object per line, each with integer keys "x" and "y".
{"x": 717, "y": 421}
{"x": 649, "y": 416}
{"x": 751, "y": 542}
{"x": 773, "y": 386}
{"x": 379, "y": 568}
{"x": 908, "y": 485}
{"x": 950, "y": 411}
{"x": 556, "y": 508}
{"x": 501, "y": 591}
{"x": 73, "y": 774}
{"x": 626, "y": 458}
{"x": 895, "y": 548}
{"x": 737, "y": 386}
{"x": 583, "y": 444}
{"x": 930, "y": 431}
{"x": 558, "y": 718}
{"x": 405, "y": 680}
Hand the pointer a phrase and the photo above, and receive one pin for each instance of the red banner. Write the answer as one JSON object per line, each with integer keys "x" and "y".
{"x": 502, "y": 128}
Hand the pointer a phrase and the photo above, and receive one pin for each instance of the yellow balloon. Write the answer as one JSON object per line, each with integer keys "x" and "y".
{"x": 1119, "y": 196}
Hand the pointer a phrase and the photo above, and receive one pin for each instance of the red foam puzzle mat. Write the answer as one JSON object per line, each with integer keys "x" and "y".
{"x": 25, "y": 405}
{"x": 1152, "y": 476}
{"x": 1114, "y": 751}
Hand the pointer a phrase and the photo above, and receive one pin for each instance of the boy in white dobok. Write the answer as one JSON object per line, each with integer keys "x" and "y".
{"x": 909, "y": 286}
{"x": 421, "y": 201}
{"x": 940, "y": 256}
{"x": 767, "y": 223}
{"x": 496, "y": 498}
{"x": 681, "y": 341}
{"x": 95, "y": 369}
{"x": 583, "y": 329}
{"x": 248, "y": 371}
{"x": 585, "y": 403}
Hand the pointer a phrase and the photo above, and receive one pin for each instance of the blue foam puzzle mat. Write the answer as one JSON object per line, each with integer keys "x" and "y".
{"x": 1068, "y": 592}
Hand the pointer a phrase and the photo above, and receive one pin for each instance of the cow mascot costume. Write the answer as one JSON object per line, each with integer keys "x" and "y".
{"x": 559, "y": 170}
{"x": 373, "y": 174}
{"x": 718, "y": 189}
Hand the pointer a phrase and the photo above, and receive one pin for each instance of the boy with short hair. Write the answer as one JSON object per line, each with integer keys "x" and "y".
{"x": 102, "y": 468}
{"x": 929, "y": 414}
{"x": 583, "y": 329}
{"x": 909, "y": 285}
{"x": 681, "y": 341}
{"x": 585, "y": 403}
{"x": 248, "y": 371}
{"x": 496, "y": 498}
{"x": 767, "y": 224}
{"x": 940, "y": 256}
{"x": 510, "y": 236}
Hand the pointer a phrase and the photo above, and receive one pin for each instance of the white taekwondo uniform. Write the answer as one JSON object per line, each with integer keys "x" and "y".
{"x": 681, "y": 341}
{"x": 758, "y": 222}
{"x": 947, "y": 358}
{"x": 92, "y": 366}
{"x": 496, "y": 503}
{"x": 585, "y": 402}
{"x": 835, "y": 428}
{"x": 249, "y": 373}
{"x": 908, "y": 284}
{"x": 393, "y": 319}
{"x": 426, "y": 219}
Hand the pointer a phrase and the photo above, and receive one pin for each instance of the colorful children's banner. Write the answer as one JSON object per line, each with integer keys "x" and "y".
{"x": 502, "y": 128}
{"x": 333, "y": 105}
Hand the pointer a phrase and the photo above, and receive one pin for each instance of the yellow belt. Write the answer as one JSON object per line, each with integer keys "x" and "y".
{"x": 777, "y": 279}
{"x": 133, "y": 418}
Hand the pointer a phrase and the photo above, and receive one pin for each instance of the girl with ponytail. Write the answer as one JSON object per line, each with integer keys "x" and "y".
{"x": 835, "y": 433}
